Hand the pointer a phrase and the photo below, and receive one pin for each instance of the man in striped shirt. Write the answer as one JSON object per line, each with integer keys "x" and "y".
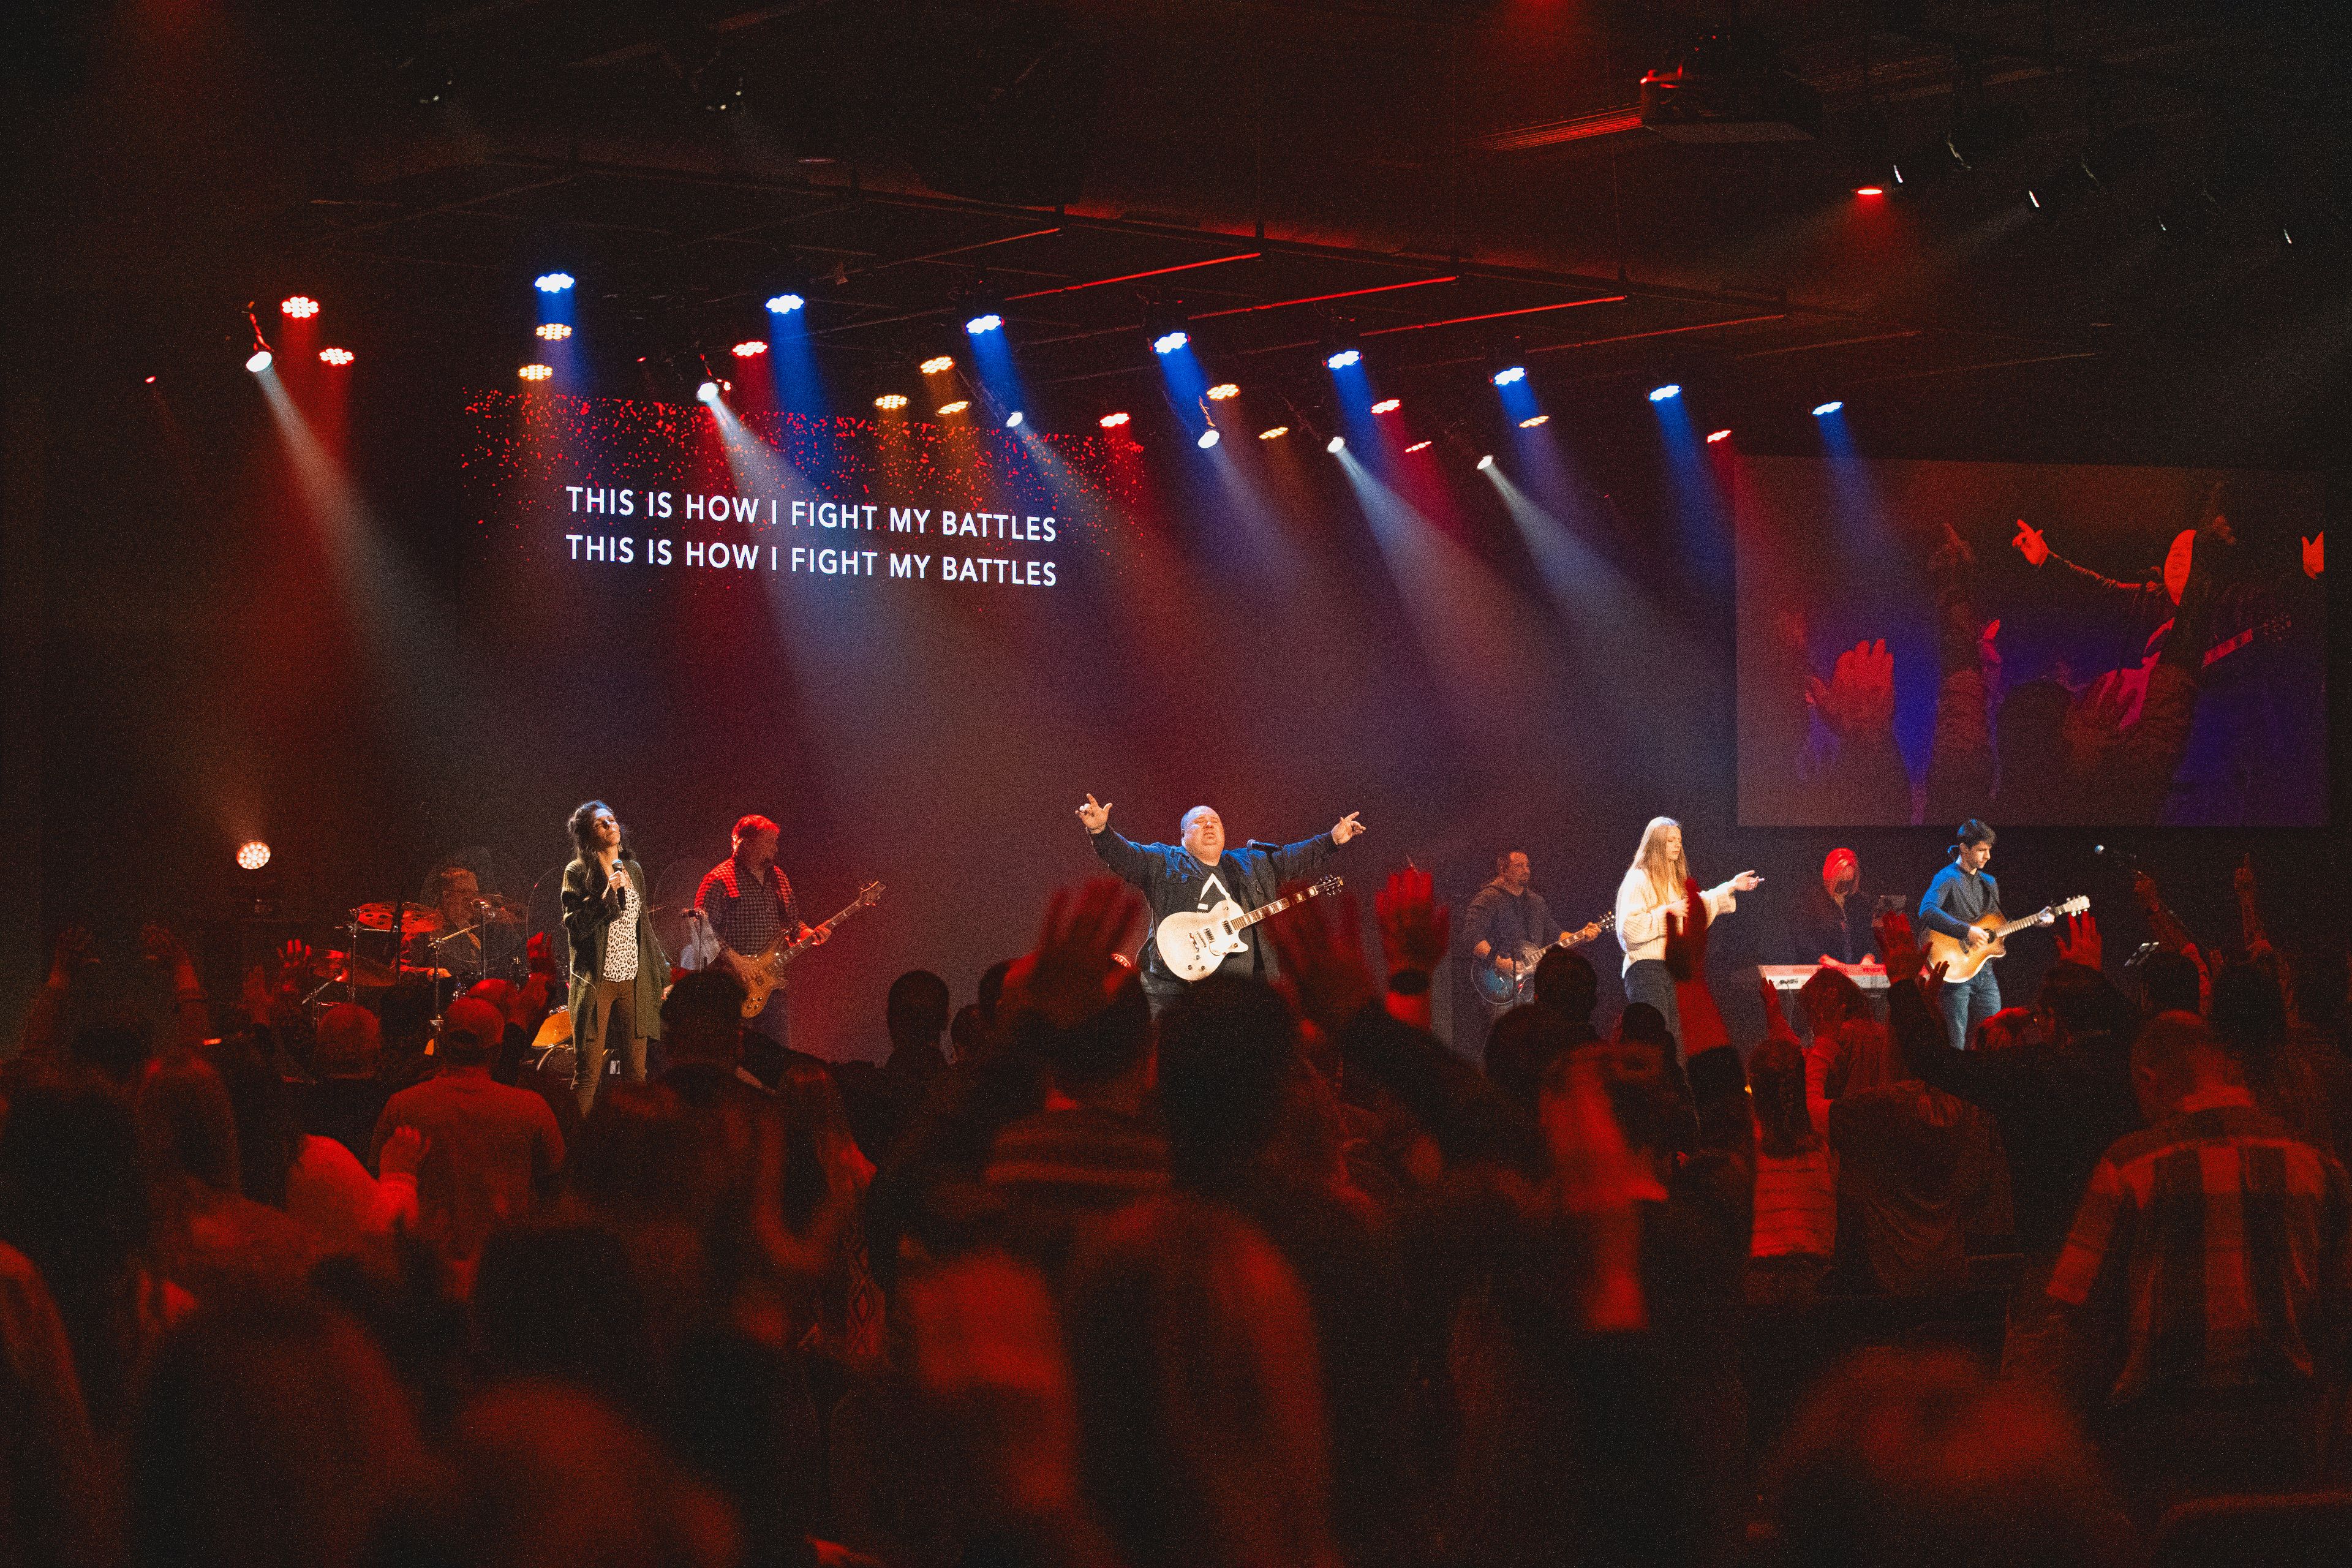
{"x": 2207, "y": 1278}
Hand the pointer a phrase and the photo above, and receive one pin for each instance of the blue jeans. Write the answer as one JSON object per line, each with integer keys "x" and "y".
{"x": 1967, "y": 1004}
{"x": 1647, "y": 981}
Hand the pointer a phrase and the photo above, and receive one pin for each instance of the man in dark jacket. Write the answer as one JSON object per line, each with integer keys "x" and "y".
{"x": 1199, "y": 873}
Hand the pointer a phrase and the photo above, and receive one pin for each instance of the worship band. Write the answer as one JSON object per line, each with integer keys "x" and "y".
{"x": 745, "y": 913}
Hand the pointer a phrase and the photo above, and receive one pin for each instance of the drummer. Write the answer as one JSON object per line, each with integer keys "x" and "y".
{"x": 482, "y": 936}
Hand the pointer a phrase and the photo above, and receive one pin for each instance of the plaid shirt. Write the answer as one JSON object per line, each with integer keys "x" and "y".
{"x": 743, "y": 919}
{"x": 2215, "y": 1244}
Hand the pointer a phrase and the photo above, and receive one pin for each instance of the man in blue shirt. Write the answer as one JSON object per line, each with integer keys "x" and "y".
{"x": 1961, "y": 895}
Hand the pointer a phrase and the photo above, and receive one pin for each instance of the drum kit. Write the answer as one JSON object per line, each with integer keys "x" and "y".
{"x": 389, "y": 944}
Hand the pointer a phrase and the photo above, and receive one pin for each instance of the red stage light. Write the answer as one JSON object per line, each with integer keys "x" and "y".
{"x": 1113, "y": 421}
{"x": 336, "y": 356}
{"x": 1715, "y": 436}
{"x": 1416, "y": 447}
{"x": 746, "y": 349}
{"x": 1388, "y": 406}
{"x": 151, "y": 381}
{"x": 1870, "y": 190}
{"x": 301, "y": 307}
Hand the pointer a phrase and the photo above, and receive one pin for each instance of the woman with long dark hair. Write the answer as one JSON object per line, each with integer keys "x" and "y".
{"x": 617, "y": 965}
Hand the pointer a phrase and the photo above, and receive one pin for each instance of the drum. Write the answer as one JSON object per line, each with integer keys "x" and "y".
{"x": 550, "y": 1049}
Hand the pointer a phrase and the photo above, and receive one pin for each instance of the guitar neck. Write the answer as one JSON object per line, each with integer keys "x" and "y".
{"x": 1274, "y": 907}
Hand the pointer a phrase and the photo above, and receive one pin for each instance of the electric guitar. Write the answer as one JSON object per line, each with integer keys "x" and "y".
{"x": 762, "y": 975}
{"x": 1193, "y": 943}
{"x": 1961, "y": 961}
{"x": 1497, "y": 989}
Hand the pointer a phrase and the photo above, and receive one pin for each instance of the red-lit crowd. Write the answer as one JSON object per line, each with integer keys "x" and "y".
{"x": 1273, "y": 1279}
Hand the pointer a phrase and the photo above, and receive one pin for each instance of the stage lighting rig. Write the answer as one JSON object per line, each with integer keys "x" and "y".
{"x": 785, "y": 305}
{"x": 258, "y": 357}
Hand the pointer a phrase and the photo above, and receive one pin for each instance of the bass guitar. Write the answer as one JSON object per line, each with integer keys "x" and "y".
{"x": 762, "y": 975}
{"x": 1497, "y": 988}
{"x": 1193, "y": 943}
{"x": 1961, "y": 961}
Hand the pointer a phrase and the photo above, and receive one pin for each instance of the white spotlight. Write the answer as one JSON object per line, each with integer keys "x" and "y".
{"x": 1336, "y": 444}
{"x": 1487, "y": 461}
{"x": 259, "y": 361}
{"x": 708, "y": 392}
{"x": 1013, "y": 420}
{"x": 1208, "y": 439}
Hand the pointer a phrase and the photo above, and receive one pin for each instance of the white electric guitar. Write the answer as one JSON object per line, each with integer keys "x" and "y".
{"x": 1193, "y": 943}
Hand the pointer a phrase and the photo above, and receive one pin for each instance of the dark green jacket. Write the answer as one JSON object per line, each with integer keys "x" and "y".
{"x": 585, "y": 923}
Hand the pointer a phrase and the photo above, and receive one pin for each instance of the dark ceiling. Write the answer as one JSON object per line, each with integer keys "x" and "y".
{"x": 1469, "y": 178}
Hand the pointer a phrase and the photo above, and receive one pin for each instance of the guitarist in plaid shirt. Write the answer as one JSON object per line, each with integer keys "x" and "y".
{"x": 748, "y": 901}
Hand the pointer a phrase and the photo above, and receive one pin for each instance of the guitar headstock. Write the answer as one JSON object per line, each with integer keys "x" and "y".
{"x": 1326, "y": 887}
{"x": 2074, "y": 906}
{"x": 871, "y": 894}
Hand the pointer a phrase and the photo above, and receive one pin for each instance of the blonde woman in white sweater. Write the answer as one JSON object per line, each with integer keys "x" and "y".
{"x": 1653, "y": 886}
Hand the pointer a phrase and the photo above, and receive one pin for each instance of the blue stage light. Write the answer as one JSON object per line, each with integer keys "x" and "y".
{"x": 552, "y": 282}
{"x": 987, "y": 323}
{"x": 785, "y": 304}
{"x": 1516, "y": 373}
{"x": 1208, "y": 439}
{"x": 1660, "y": 394}
{"x": 1341, "y": 361}
{"x": 1013, "y": 420}
{"x": 1821, "y": 409}
{"x": 1168, "y": 343}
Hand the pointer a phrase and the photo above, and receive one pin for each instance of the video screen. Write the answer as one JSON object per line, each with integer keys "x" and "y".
{"x": 2037, "y": 645}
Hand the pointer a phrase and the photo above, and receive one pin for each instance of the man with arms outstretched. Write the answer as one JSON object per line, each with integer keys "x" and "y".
{"x": 1199, "y": 872}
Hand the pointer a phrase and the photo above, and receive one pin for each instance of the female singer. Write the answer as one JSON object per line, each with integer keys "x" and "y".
{"x": 617, "y": 965}
{"x": 1652, "y": 888}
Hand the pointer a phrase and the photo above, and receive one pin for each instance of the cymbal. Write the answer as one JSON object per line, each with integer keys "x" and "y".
{"x": 502, "y": 910}
{"x": 415, "y": 919}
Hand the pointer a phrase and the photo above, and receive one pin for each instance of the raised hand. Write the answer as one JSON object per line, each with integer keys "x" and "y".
{"x": 293, "y": 959}
{"x": 1346, "y": 827}
{"x": 1859, "y": 697}
{"x": 1745, "y": 882}
{"x": 1414, "y": 927}
{"x": 1069, "y": 977}
{"x": 2081, "y": 944}
{"x": 1776, "y": 1018}
{"x": 1095, "y": 815}
{"x": 1687, "y": 936}
{"x": 1897, "y": 946}
{"x": 1597, "y": 1178}
{"x": 2314, "y": 555}
{"x": 1323, "y": 961}
{"x": 2243, "y": 877}
{"x": 2031, "y": 544}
